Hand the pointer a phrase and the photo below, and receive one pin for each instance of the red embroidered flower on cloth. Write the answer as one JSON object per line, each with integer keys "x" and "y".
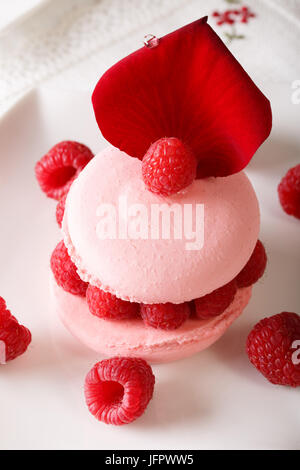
{"x": 246, "y": 14}
{"x": 241, "y": 15}
{"x": 190, "y": 87}
{"x": 227, "y": 17}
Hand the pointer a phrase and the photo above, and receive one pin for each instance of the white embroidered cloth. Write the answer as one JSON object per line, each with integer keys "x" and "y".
{"x": 70, "y": 43}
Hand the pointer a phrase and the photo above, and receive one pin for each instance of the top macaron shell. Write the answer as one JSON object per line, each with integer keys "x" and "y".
{"x": 158, "y": 270}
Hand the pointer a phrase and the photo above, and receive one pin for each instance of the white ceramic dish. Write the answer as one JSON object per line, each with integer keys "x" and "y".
{"x": 214, "y": 400}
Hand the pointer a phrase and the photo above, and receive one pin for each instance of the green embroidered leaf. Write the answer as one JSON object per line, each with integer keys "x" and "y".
{"x": 231, "y": 37}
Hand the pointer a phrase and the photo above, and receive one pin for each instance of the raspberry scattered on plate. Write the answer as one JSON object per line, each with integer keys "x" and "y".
{"x": 289, "y": 192}
{"x": 14, "y": 338}
{"x": 118, "y": 390}
{"x": 56, "y": 170}
{"x": 271, "y": 347}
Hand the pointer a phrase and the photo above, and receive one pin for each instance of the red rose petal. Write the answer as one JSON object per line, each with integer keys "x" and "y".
{"x": 189, "y": 87}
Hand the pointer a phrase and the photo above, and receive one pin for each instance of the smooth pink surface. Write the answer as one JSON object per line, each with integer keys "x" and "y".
{"x": 158, "y": 271}
{"x": 133, "y": 338}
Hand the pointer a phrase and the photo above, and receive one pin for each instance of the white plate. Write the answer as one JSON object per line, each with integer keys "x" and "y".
{"x": 214, "y": 400}
{"x": 15, "y": 11}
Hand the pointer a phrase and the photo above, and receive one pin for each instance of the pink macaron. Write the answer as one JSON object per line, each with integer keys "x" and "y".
{"x": 154, "y": 271}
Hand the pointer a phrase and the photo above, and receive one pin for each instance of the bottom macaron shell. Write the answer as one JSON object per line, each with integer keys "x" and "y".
{"x": 133, "y": 338}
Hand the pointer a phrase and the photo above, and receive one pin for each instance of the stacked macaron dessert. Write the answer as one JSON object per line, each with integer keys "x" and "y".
{"x": 183, "y": 119}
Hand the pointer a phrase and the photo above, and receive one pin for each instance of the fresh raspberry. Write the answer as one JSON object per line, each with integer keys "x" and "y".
{"x": 56, "y": 170}
{"x": 168, "y": 166}
{"x": 60, "y": 209}
{"x": 272, "y": 349}
{"x": 255, "y": 267}
{"x": 118, "y": 390}
{"x": 105, "y": 305}
{"x": 165, "y": 316}
{"x": 65, "y": 272}
{"x": 16, "y": 337}
{"x": 289, "y": 192}
{"x": 215, "y": 303}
